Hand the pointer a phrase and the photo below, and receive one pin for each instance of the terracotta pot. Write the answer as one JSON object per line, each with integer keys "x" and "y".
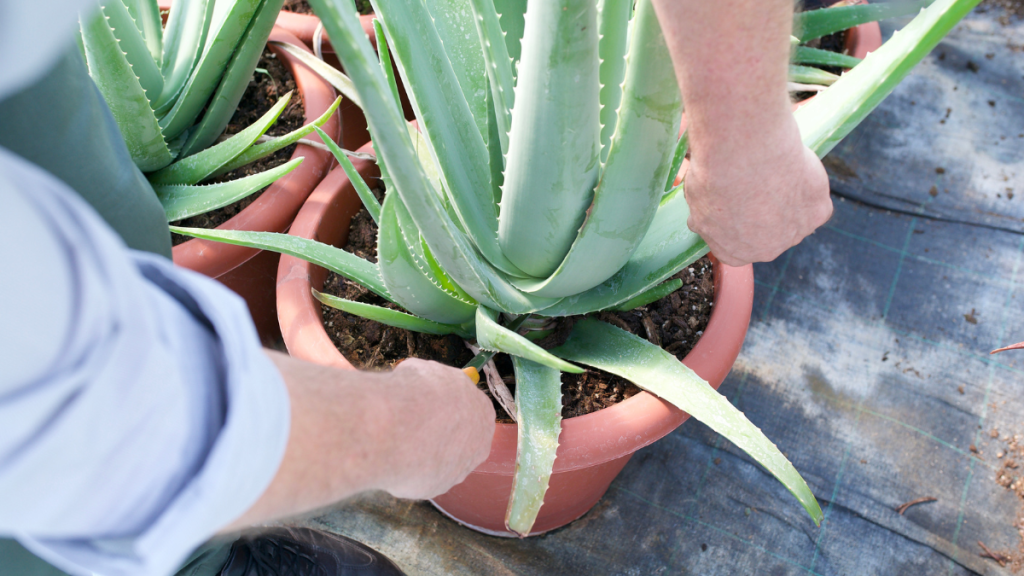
{"x": 247, "y": 271}
{"x": 593, "y": 448}
{"x": 354, "y": 132}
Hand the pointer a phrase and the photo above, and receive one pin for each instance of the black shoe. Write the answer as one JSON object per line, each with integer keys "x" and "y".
{"x": 305, "y": 552}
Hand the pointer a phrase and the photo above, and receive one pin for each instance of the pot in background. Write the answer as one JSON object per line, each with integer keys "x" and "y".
{"x": 248, "y": 271}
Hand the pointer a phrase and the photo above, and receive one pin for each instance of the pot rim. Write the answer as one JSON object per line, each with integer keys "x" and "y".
{"x": 274, "y": 209}
{"x": 640, "y": 420}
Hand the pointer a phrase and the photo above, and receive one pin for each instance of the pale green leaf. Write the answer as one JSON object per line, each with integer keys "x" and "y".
{"x": 817, "y": 23}
{"x": 332, "y": 75}
{"x": 613, "y": 23}
{"x": 614, "y": 350}
{"x": 811, "y": 75}
{"x": 806, "y": 55}
{"x": 188, "y": 23}
{"x": 134, "y": 47}
{"x": 490, "y": 335}
{"x": 343, "y": 263}
{"x": 391, "y": 317}
{"x": 539, "y": 417}
{"x": 183, "y": 200}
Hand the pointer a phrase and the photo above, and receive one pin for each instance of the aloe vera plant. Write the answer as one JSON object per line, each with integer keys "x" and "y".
{"x": 173, "y": 90}
{"x": 540, "y": 186}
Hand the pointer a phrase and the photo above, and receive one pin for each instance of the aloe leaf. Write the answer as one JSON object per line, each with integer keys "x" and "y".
{"x": 810, "y": 75}
{"x": 807, "y": 55}
{"x": 513, "y": 23}
{"x": 501, "y": 81}
{"x": 446, "y": 121}
{"x": 393, "y": 144}
{"x": 386, "y": 65}
{"x": 613, "y": 24}
{"x": 630, "y": 186}
{"x": 185, "y": 200}
{"x": 220, "y": 45}
{"x": 407, "y": 282}
{"x": 264, "y": 149}
{"x": 652, "y": 295}
{"x": 365, "y": 194}
{"x": 136, "y": 51}
{"x": 124, "y": 95}
{"x": 822, "y": 22}
{"x": 495, "y": 153}
{"x": 493, "y": 336}
{"x": 195, "y": 168}
{"x": 188, "y": 23}
{"x": 146, "y": 14}
{"x": 614, "y": 350}
{"x": 332, "y": 75}
{"x": 235, "y": 79}
{"x": 830, "y": 116}
{"x": 343, "y": 263}
{"x": 455, "y": 23}
{"x": 555, "y": 143}
{"x": 682, "y": 145}
{"x": 539, "y": 418}
{"x": 391, "y": 317}
{"x": 668, "y": 247}
{"x": 440, "y": 276}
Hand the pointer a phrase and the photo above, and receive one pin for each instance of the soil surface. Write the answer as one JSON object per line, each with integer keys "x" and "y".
{"x": 263, "y": 92}
{"x": 1010, "y": 8}
{"x": 674, "y": 322}
{"x": 1009, "y": 473}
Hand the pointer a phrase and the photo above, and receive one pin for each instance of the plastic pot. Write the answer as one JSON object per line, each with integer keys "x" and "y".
{"x": 593, "y": 448}
{"x": 250, "y": 272}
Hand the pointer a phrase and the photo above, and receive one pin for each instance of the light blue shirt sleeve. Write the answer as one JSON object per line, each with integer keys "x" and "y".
{"x": 138, "y": 412}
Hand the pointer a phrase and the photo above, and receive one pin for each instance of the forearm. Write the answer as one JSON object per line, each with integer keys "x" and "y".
{"x": 731, "y": 59}
{"x": 414, "y": 432}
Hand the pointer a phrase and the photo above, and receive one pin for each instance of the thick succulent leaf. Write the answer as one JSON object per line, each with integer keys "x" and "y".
{"x": 188, "y": 23}
{"x": 456, "y": 27}
{"x": 668, "y": 247}
{"x": 539, "y": 417}
{"x": 830, "y": 116}
{"x": 407, "y": 282}
{"x": 264, "y": 149}
{"x": 682, "y": 145}
{"x": 365, "y": 194}
{"x": 195, "y": 168}
{"x": 235, "y": 79}
{"x": 630, "y": 187}
{"x": 386, "y": 65}
{"x": 393, "y": 144}
{"x": 124, "y": 95}
{"x": 652, "y": 295}
{"x": 219, "y": 47}
{"x": 613, "y": 23}
{"x": 811, "y": 75}
{"x": 184, "y": 200}
{"x": 343, "y": 263}
{"x": 146, "y": 14}
{"x": 822, "y": 22}
{"x": 136, "y": 51}
{"x": 513, "y": 23}
{"x": 391, "y": 317}
{"x": 501, "y": 81}
{"x": 332, "y": 75}
{"x": 490, "y": 335}
{"x": 807, "y": 55}
{"x": 614, "y": 350}
{"x": 555, "y": 143}
{"x": 446, "y": 121}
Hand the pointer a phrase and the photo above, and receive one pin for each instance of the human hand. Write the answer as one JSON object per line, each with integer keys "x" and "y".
{"x": 443, "y": 429}
{"x": 755, "y": 200}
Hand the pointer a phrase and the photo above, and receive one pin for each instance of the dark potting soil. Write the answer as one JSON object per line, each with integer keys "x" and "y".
{"x": 263, "y": 92}
{"x": 675, "y": 322}
{"x": 302, "y": 6}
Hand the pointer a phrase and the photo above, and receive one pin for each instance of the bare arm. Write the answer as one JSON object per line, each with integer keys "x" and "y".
{"x": 414, "y": 432}
{"x": 753, "y": 188}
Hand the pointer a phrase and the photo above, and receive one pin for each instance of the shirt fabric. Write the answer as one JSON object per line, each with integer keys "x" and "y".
{"x": 138, "y": 412}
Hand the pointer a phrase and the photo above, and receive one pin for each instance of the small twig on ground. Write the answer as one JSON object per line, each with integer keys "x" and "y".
{"x": 993, "y": 555}
{"x": 903, "y": 507}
